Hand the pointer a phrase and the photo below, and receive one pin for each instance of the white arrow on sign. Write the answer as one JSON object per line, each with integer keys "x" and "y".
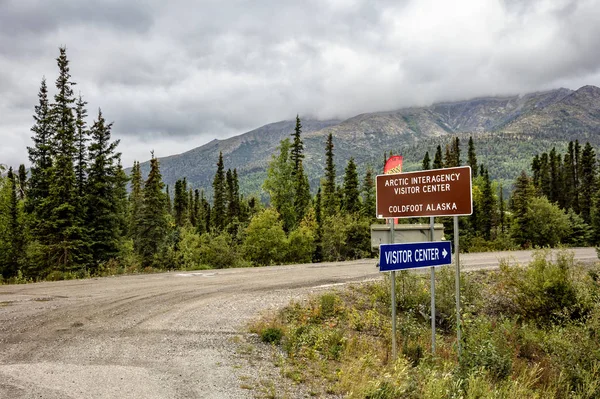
{"x": 444, "y": 253}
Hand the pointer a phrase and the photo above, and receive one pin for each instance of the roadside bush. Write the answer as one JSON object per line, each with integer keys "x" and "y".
{"x": 271, "y": 335}
{"x": 218, "y": 251}
{"x": 543, "y": 291}
{"x": 265, "y": 241}
{"x": 486, "y": 348}
{"x": 300, "y": 245}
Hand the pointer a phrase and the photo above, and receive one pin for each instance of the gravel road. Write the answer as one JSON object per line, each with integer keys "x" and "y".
{"x": 168, "y": 335}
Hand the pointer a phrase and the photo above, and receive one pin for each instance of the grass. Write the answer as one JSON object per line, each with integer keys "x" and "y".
{"x": 527, "y": 332}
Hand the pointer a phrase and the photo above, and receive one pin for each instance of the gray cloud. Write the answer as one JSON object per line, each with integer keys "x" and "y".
{"x": 177, "y": 74}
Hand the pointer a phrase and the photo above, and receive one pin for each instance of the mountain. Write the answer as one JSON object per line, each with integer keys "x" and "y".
{"x": 507, "y": 132}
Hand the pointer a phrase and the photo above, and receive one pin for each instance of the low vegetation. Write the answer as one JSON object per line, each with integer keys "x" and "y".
{"x": 528, "y": 332}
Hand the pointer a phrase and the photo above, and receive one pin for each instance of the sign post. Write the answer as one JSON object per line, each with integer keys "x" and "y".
{"x": 431, "y": 231}
{"x": 437, "y": 192}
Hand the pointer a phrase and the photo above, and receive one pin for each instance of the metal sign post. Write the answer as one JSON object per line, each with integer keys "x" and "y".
{"x": 457, "y": 284}
{"x": 393, "y": 277}
{"x": 431, "y": 231}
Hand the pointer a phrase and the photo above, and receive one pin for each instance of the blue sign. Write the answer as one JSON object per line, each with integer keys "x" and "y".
{"x": 414, "y": 255}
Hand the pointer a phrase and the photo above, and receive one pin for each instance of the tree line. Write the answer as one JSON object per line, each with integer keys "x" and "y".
{"x": 71, "y": 214}
{"x": 559, "y": 203}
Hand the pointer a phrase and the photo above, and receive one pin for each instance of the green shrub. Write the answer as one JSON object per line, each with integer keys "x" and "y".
{"x": 543, "y": 291}
{"x": 272, "y": 335}
{"x": 218, "y": 251}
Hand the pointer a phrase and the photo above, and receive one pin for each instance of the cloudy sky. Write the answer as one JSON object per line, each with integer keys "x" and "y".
{"x": 175, "y": 74}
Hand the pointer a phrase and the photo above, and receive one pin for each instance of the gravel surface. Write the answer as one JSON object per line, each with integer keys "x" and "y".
{"x": 168, "y": 335}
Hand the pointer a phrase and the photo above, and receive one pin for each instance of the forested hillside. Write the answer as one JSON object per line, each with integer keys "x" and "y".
{"x": 508, "y": 132}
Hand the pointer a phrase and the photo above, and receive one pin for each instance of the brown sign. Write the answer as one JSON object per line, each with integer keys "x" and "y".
{"x": 438, "y": 192}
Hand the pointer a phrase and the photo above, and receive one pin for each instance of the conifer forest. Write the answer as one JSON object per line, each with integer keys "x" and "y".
{"x": 75, "y": 212}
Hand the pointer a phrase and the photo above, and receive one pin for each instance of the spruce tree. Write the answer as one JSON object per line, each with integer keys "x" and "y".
{"x": 102, "y": 196}
{"x": 488, "y": 207}
{"x": 368, "y": 195}
{"x": 555, "y": 183}
{"x": 196, "y": 215}
{"x": 426, "y": 164}
{"x": 330, "y": 203}
{"x": 136, "y": 199}
{"x": 545, "y": 178}
{"x": 219, "y": 197}
{"x": 301, "y": 185}
{"x": 588, "y": 178}
{"x": 65, "y": 234}
{"x": 121, "y": 200}
{"x": 297, "y": 148}
{"x": 438, "y": 163}
{"x": 536, "y": 171}
{"x": 152, "y": 220}
{"x": 576, "y": 172}
{"x": 567, "y": 179}
{"x": 521, "y": 198}
{"x": 14, "y": 233}
{"x": 169, "y": 205}
{"x": 180, "y": 203}
{"x": 502, "y": 211}
{"x": 81, "y": 139}
{"x": 40, "y": 155}
{"x": 472, "y": 158}
{"x": 22, "y": 191}
{"x": 351, "y": 193}
{"x": 456, "y": 151}
{"x": 318, "y": 254}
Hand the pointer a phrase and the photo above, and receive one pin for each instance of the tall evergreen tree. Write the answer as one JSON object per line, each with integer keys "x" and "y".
{"x": 456, "y": 151}
{"x": 502, "y": 210}
{"x": 351, "y": 196}
{"x": 169, "y": 204}
{"x": 330, "y": 203}
{"x": 521, "y": 198}
{"x": 67, "y": 247}
{"x": 556, "y": 187}
{"x": 318, "y": 254}
{"x": 536, "y": 171}
{"x": 438, "y": 163}
{"x": 368, "y": 195}
{"x": 576, "y": 173}
{"x": 301, "y": 186}
{"x": 153, "y": 227}
{"x": 81, "y": 139}
{"x": 180, "y": 203}
{"x": 472, "y": 158}
{"x": 122, "y": 203}
{"x": 488, "y": 207}
{"x": 40, "y": 156}
{"x": 195, "y": 215}
{"x": 22, "y": 186}
{"x": 102, "y": 194}
{"x": 588, "y": 176}
{"x": 136, "y": 199}
{"x": 15, "y": 235}
{"x": 297, "y": 148}
{"x": 567, "y": 181}
{"x": 426, "y": 164}
{"x": 219, "y": 196}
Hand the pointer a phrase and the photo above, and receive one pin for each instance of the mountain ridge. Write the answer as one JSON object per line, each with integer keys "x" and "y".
{"x": 556, "y": 115}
